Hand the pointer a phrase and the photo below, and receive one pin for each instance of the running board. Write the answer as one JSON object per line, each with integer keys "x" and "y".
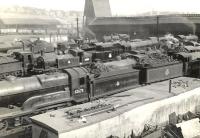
{"x": 42, "y": 101}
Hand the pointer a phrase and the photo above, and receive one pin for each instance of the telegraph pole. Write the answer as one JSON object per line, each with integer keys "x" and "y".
{"x": 77, "y": 22}
{"x": 157, "y": 28}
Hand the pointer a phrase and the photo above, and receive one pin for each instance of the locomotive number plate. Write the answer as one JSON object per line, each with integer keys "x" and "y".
{"x": 78, "y": 91}
{"x": 87, "y": 59}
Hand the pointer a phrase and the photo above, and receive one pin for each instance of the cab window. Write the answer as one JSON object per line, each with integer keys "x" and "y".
{"x": 82, "y": 81}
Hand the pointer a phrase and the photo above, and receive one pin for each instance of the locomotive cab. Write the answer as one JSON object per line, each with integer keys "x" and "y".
{"x": 26, "y": 58}
{"x": 140, "y": 58}
{"x": 76, "y": 52}
{"x": 84, "y": 57}
{"x": 186, "y": 58}
{"x": 126, "y": 46}
{"x": 78, "y": 84}
{"x": 87, "y": 58}
{"x": 118, "y": 49}
{"x": 65, "y": 46}
{"x": 114, "y": 49}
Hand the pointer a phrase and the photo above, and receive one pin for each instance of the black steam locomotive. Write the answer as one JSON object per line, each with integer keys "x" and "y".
{"x": 27, "y": 63}
{"x": 22, "y": 97}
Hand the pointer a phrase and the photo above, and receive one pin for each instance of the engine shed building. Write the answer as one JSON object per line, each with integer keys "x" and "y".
{"x": 98, "y": 18}
{"x": 28, "y": 25}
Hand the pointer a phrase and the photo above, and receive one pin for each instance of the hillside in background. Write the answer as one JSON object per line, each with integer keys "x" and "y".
{"x": 67, "y": 17}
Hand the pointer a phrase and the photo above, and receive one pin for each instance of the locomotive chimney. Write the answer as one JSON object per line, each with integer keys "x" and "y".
{"x": 42, "y": 53}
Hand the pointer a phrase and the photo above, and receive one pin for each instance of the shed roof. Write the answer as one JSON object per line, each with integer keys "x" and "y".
{"x": 29, "y": 21}
{"x": 145, "y": 20}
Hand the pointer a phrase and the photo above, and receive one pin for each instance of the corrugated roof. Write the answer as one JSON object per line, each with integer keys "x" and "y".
{"x": 145, "y": 20}
{"x": 121, "y": 21}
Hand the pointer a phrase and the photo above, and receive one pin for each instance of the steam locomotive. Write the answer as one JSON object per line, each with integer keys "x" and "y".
{"x": 29, "y": 62}
{"x": 21, "y": 98}
{"x": 18, "y": 61}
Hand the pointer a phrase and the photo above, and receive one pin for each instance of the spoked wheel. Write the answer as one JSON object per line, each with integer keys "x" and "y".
{"x": 3, "y": 125}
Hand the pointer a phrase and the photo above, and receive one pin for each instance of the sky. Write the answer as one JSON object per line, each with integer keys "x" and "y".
{"x": 118, "y": 7}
